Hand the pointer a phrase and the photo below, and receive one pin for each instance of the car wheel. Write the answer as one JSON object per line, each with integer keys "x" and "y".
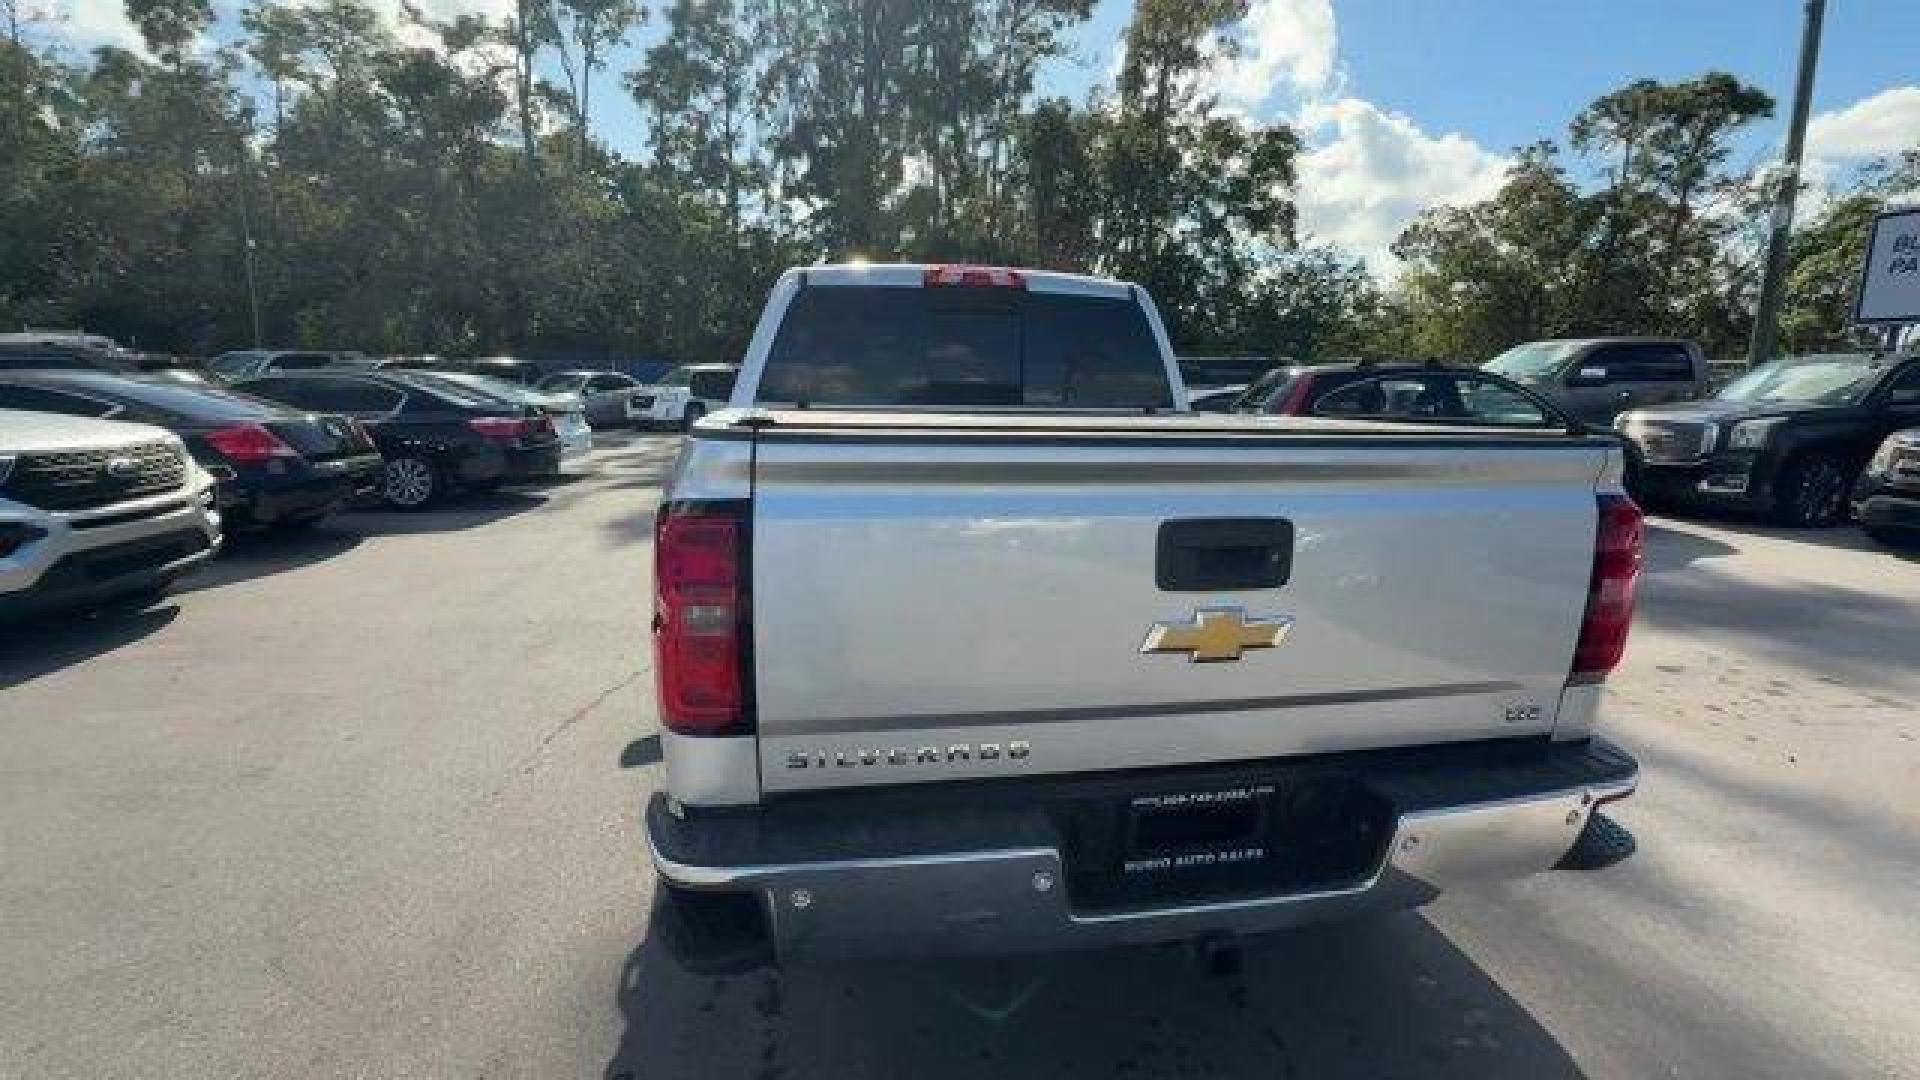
{"x": 1812, "y": 491}
{"x": 692, "y": 416}
{"x": 409, "y": 482}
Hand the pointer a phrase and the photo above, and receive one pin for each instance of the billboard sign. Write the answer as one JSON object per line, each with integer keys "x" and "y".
{"x": 1890, "y": 280}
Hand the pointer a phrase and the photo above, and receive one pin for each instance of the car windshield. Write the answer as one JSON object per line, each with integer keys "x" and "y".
{"x": 567, "y": 382}
{"x": 1531, "y": 360}
{"x": 1817, "y": 380}
{"x": 677, "y": 377}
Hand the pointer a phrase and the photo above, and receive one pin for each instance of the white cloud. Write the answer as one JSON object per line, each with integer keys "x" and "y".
{"x": 1370, "y": 172}
{"x": 89, "y": 24}
{"x": 1285, "y": 46}
{"x": 1873, "y": 127}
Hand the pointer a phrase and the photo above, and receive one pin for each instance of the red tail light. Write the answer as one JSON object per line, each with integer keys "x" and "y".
{"x": 976, "y": 277}
{"x": 700, "y": 623}
{"x": 1295, "y": 403}
{"x": 249, "y": 444}
{"x": 1616, "y": 572}
{"x": 507, "y": 429}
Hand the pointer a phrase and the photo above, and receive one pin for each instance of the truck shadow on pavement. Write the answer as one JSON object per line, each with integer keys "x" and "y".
{"x": 1381, "y": 997}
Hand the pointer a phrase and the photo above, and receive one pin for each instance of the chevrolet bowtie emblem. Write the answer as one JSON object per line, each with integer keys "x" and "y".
{"x": 1221, "y": 633}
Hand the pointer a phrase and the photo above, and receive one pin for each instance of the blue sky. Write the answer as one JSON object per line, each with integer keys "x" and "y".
{"x": 1409, "y": 103}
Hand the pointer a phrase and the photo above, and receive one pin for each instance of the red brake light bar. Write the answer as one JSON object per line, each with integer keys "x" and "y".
{"x": 974, "y": 277}
{"x": 249, "y": 444}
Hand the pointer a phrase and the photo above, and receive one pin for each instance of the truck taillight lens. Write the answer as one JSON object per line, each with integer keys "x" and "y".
{"x": 249, "y": 444}
{"x": 1616, "y": 573}
{"x": 700, "y": 618}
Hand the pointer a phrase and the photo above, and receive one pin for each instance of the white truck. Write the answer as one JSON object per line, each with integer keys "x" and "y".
{"x": 970, "y": 640}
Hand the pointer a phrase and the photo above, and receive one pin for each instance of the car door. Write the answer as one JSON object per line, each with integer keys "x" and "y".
{"x": 606, "y": 398}
{"x": 1898, "y": 403}
{"x": 1658, "y": 372}
{"x": 1604, "y": 382}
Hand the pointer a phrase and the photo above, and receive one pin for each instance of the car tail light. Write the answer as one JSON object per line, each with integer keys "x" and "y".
{"x": 700, "y": 618}
{"x": 249, "y": 444}
{"x": 1616, "y": 573}
{"x": 1295, "y": 403}
{"x": 974, "y": 277}
{"x": 507, "y": 429}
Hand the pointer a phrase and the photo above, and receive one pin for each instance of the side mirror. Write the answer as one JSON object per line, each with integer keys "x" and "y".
{"x": 1588, "y": 376}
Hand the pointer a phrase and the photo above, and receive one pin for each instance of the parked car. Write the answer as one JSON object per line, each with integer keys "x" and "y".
{"x": 569, "y": 414}
{"x": 1595, "y": 379}
{"x": 253, "y": 363}
{"x": 96, "y": 513}
{"x": 433, "y": 434}
{"x": 66, "y": 349}
{"x": 1886, "y": 499}
{"x": 994, "y": 648}
{"x": 511, "y": 369}
{"x": 1411, "y": 391}
{"x": 684, "y": 395}
{"x": 606, "y": 394}
{"x": 275, "y": 466}
{"x": 1787, "y": 438}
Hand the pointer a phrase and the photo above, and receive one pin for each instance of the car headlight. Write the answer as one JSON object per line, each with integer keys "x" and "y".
{"x": 1882, "y": 461}
{"x": 1751, "y": 434}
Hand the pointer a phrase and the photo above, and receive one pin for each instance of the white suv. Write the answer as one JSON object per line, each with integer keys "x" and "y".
{"x": 683, "y": 395}
{"x": 97, "y": 512}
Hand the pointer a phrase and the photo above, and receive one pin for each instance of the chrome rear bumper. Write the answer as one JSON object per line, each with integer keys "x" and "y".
{"x": 1013, "y": 898}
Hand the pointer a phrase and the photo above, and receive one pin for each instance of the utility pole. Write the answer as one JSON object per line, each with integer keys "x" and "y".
{"x": 1766, "y": 315}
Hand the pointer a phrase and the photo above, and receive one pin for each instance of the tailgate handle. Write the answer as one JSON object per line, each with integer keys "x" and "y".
{"x": 1214, "y": 554}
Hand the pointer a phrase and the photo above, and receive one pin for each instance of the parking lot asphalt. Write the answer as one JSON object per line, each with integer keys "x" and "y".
{"x": 364, "y": 802}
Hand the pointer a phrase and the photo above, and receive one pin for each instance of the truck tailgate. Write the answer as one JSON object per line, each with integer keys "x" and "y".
{"x": 946, "y": 606}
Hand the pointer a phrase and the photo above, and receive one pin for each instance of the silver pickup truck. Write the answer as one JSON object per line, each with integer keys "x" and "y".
{"x": 969, "y": 639}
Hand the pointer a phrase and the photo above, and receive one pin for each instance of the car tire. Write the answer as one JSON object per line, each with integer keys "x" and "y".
{"x": 691, "y": 415}
{"x": 409, "y": 482}
{"x": 1811, "y": 492}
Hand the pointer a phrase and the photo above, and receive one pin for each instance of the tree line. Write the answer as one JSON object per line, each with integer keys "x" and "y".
{"x": 448, "y": 186}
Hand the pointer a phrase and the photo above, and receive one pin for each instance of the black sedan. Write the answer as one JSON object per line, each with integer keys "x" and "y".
{"x": 1886, "y": 499}
{"x": 275, "y": 466}
{"x": 434, "y": 435}
{"x": 1787, "y": 438}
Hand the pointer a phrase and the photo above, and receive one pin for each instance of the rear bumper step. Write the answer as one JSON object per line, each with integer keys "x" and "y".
{"x": 1003, "y": 869}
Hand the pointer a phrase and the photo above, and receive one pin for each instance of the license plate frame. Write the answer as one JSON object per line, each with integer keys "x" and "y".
{"x": 1199, "y": 829}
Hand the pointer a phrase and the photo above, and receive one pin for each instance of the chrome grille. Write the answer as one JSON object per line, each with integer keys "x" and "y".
{"x": 1671, "y": 440}
{"x": 85, "y": 479}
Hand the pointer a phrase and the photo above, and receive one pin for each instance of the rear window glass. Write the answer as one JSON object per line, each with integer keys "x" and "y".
{"x": 964, "y": 348}
{"x": 187, "y": 403}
